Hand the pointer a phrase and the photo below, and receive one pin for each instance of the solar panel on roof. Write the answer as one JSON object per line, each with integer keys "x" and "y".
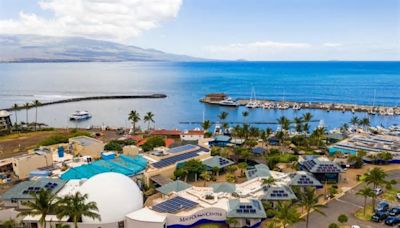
{"x": 182, "y": 148}
{"x": 174, "y": 205}
{"x": 172, "y": 160}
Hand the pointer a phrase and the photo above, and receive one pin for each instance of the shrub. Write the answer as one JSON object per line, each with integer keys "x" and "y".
{"x": 333, "y": 225}
{"x": 117, "y": 145}
{"x": 153, "y": 142}
{"x": 54, "y": 139}
{"x": 342, "y": 218}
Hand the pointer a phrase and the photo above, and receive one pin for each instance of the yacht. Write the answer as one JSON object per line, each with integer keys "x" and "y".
{"x": 229, "y": 102}
{"x": 382, "y": 111}
{"x": 296, "y": 106}
{"x": 80, "y": 115}
{"x": 390, "y": 111}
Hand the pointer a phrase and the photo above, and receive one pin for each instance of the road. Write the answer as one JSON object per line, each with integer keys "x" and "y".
{"x": 347, "y": 204}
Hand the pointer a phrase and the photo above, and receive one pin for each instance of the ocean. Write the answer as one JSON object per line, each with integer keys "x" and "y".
{"x": 185, "y": 83}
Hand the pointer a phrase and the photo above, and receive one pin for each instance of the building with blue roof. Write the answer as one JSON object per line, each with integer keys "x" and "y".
{"x": 123, "y": 164}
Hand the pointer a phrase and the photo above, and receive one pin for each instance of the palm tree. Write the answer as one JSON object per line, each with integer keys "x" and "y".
{"x": 344, "y": 128}
{"x": 364, "y": 122}
{"x": 206, "y": 125}
{"x": 42, "y": 204}
{"x": 222, "y": 116}
{"x": 134, "y": 117}
{"x": 245, "y": 114}
{"x": 10, "y": 223}
{"x": 36, "y": 103}
{"x": 307, "y": 117}
{"x": 376, "y": 177}
{"x": 306, "y": 128}
{"x": 309, "y": 200}
{"x": 15, "y": 107}
{"x": 366, "y": 192}
{"x": 354, "y": 120}
{"x": 298, "y": 122}
{"x": 149, "y": 118}
{"x": 284, "y": 122}
{"x": 76, "y": 206}
{"x": 206, "y": 176}
{"x": 286, "y": 214}
{"x": 27, "y": 106}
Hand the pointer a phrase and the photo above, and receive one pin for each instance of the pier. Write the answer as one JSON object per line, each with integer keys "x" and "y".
{"x": 215, "y": 99}
{"x": 77, "y": 99}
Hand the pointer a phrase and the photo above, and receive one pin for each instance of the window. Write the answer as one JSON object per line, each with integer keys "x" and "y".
{"x": 248, "y": 222}
{"x": 121, "y": 224}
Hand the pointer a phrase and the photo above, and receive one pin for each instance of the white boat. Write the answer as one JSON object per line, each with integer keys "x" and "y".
{"x": 296, "y": 106}
{"x": 253, "y": 103}
{"x": 80, "y": 115}
{"x": 390, "y": 111}
{"x": 382, "y": 112}
{"x": 397, "y": 111}
{"x": 229, "y": 102}
{"x": 283, "y": 106}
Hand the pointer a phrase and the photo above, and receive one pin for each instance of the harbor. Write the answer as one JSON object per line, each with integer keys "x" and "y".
{"x": 222, "y": 99}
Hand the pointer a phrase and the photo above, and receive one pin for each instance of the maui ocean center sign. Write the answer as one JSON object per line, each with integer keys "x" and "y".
{"x": 209, "y": 214}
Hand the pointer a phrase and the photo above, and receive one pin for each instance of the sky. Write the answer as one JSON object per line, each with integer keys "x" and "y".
{"x": 221, "y": 29}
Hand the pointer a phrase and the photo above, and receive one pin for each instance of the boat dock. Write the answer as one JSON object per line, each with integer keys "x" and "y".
{"x": 77, "y": 99}
{"x": 215, "y": 99}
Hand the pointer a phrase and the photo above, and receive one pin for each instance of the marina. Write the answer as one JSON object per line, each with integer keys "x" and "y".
{"x": 220, "y": 99}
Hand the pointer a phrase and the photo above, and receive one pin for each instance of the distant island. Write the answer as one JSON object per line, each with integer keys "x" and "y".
{"x": 35, "y": 48}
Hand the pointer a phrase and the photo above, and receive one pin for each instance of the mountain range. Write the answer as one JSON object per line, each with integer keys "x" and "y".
{"x": 35, "y": 48}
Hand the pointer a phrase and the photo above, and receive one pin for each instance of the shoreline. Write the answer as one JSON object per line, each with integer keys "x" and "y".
{"x": 77, "y": 99}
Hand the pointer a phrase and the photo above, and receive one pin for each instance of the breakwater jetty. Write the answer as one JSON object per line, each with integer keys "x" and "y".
{"x": 222, "y": 99}
{"x": 77, "y": 99}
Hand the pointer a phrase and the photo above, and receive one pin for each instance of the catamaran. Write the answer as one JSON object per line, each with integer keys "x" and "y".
{"x": 80, "y": 115}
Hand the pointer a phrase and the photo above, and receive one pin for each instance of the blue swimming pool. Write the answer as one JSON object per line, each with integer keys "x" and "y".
{"x": 123, "y": 164}
{"x": 334, "y": 149}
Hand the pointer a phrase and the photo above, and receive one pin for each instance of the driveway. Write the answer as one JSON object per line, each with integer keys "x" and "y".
{"x": 347, "y": 204}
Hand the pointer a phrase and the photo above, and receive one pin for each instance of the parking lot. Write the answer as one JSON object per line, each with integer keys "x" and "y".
{"x": 347, "y": 204}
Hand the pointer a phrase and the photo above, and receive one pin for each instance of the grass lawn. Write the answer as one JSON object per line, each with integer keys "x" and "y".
{"x": 390, "y": 195}
{"x": 360, "y": 213}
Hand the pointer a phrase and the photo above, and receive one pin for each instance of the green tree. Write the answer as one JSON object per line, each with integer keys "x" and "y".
{"x": 286, "y": 214}
{"x": 298, "y": 121}
{"x": 153, "y": 142}
{"x": 149, "y": 118}
{"x": 342, "y": 218}
{"x": 222, "y": 116}
{"x": 215, "y": 170}
{"x": 76, "y": 206}
{"x": 195, "y": 167}
{"x": 231, "y": 178}
{"x": 307, "y": 117}
{"x": 232, "y": 222}
{"x": 42, "y": 204}
{"x": 269, "y": 181}
{"x": 206, "y": 124}
{"x": 375, "y": 177}
{"x": 343, "y": 129}
{"x": 206, "y": 176}
{"x": 354, "y": 121}
{"x": 242, "y": 166}
{"x": 366, "y": 192}
{"x": 284, "y": 123}
{"x": 385, "y": 156}
{"x": 36, "y": 104}
{"x": 9, "y": 223}
{"x": 134, "y": 117}
{"x": 364, "y": 122}
{"x": 308, "y": 199}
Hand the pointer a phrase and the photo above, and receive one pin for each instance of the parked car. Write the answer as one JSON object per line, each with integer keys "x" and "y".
{"x": 391, "y": 221}
{"x": 394, "y": 211}
{"x": 379, "y": 216}
{"x": 378, "y": 191}
{"x": 382, "y": 206}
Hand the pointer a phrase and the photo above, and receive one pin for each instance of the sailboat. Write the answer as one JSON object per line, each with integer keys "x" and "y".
{"x": 253, "y": 103}
{"x": 372, "y": 111}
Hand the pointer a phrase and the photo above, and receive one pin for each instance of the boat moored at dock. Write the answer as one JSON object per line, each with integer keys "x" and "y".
{"x": 80, "y": 115}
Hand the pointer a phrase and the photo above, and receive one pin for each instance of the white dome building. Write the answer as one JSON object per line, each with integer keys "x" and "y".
{"x": 115, "y": 194}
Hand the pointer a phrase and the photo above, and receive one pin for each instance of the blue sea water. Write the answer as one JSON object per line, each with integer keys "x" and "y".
{"x": 186, "y": 83}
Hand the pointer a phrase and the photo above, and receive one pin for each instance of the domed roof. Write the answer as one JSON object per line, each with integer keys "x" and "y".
{"x": 115, "y": 194}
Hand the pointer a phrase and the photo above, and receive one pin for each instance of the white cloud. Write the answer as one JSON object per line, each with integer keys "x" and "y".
{"x": 331, "y": 44}
{"x": 118, "y": 20}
